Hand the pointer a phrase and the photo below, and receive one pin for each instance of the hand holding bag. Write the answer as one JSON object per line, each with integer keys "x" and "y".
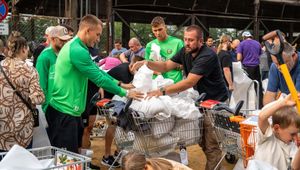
{"x": 34, "y": 111}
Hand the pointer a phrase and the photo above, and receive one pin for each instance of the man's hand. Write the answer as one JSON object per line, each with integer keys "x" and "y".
{"x": 127, "y": 86}
{"x": 154, "y": 93}
{"x": 135, "y": 95}
{"x": 138, "y": 65}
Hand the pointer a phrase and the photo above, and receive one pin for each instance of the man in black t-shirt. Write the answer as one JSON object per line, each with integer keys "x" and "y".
{"x": 202, "y": 69}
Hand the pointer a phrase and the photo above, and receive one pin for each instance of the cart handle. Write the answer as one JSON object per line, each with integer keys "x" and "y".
{"x": 235, "y": 111}
{"x": 283, "y": 67}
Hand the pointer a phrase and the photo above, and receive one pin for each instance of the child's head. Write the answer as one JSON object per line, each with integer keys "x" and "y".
{"x": 133, "y": 161}
{"x": 286, "y": 124}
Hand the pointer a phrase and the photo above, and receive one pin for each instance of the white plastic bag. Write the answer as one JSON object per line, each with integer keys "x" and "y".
{"x": 142, "y": 80}
{"x": 40, "y": 136}
{"x": 241, "y": 85}
{"x": 259, "y": 165}
{"x": 155, "y": 52}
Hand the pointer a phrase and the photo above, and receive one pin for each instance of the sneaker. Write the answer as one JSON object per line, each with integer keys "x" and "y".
{"x": 94, "y": 167}
{"x": 110, "y": 161}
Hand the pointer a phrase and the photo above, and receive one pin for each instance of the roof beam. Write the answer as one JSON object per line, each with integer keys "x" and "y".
{"x": 290, "y": 2}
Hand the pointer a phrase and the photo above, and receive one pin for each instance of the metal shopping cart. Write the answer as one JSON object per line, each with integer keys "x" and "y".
{"x": 227, "y": 132}
{"x": 61, "y": 159}
{"x": 152, "y": 137}
{"x": 232, "y": 132}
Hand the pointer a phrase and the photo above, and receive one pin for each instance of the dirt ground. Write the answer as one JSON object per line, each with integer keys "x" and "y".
{"x": 196, "y": 157}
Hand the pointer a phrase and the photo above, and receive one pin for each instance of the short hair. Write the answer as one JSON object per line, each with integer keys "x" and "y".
{"x": 208, "y": 37}
{"x": 195, "y": 28}
{"x": 288, "y": 49}
{"x": 135, "y": 41}
{"x": 156, "y": 21}
{"x": 69, "y": 28}
{"x": 285, "y": 117}
{"x": 89, "y": 21}
{"x": 118, "y": 41}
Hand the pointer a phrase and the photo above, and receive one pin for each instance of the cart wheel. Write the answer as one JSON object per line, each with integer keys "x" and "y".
{"x": 230, "y": 158}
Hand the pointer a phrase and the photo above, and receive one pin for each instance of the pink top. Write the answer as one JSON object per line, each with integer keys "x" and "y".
{"x": 110, "y": 62}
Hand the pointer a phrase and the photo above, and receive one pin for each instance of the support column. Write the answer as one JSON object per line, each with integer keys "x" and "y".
{"x": 291, "y": 31}
{"x": 256, "y": 20}
{"x": 15, "y": 16}
{"x": 71, "y": 12}
{"x": 125, "y": 35}
{"x": 109, "y": 26}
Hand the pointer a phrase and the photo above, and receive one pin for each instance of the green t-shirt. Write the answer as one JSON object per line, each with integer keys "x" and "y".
{"x": 168, "y": 49}
{"x": 45, "y": 66}
{"x": 73, "y": 68}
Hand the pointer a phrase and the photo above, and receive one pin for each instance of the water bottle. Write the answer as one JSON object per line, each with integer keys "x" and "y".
{"x": 183, "y": 155}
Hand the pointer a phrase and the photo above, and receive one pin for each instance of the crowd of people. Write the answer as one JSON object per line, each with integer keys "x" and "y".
{"x": 66, "y": 74}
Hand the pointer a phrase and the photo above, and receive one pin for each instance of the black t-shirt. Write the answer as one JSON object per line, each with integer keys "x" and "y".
{"x": 121, "y": 73}
{"x": 205, "y": 63}
{"x": 225, "y": 61}
{"x": 37, "y": 52}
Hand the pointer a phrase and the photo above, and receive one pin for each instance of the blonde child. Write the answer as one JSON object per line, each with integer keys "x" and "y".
{"x": 275, "y": 141}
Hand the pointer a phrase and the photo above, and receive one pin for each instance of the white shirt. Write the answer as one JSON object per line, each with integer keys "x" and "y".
{"x": 272, "y": 150}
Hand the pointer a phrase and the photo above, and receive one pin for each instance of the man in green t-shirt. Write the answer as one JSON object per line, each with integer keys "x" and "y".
{"x": 163, "y": 47}
{"x": 73, "y": 68}
{"x": 46, "y": 61}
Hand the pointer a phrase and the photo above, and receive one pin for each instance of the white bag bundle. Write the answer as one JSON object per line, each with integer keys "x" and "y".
{"x": 259, "y": 165}
{"x": 40, "y": 136}
{"x": 156, "y": 106}
{"x": 142, "y": 80}
{"x": 160, "y": 81}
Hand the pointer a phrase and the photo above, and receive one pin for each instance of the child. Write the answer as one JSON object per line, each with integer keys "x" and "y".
{"x": 275, "y": 142}
{"x": 137, "y": 161}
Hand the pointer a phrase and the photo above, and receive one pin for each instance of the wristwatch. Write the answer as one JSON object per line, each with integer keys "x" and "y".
{"x": 163, "y": 90}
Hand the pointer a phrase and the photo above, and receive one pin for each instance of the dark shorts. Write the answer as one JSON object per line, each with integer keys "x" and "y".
{"x": 65, "y": 131}
{"x": 90, "y": 109}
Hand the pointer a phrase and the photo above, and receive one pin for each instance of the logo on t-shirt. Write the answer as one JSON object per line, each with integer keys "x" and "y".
{"x": 169, "y": 51}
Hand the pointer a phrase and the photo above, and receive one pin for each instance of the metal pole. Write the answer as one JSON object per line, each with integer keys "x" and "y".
{"x": 183, "y": 24}
{"x": 81, "y": 8}
{"x": 97, "y": 8}
{"x": 109, "y": 26}
{"x": 86, "y": 6}
{"x": 256, "y": 20}
{"x": 59, "y": 8}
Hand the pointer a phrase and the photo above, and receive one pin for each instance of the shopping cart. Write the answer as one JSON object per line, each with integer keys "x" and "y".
{"x": 152, "y": 137}
{"x": 227, "y": 132}
{"x": 61, "y": 159}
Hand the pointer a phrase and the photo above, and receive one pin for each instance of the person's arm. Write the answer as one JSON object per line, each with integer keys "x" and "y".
{"x": 189, "y": 82}
{"x": 158, "y": 66}
{"x": 296, "y": 161}
{"x": 269, "y": 97}
{"x": 239, "y": 57}
{"x": 228, "y": 77}
{"x": 263, "y": 122}
{"x": 42, "y": 67}
{"x": 123, "y": 57}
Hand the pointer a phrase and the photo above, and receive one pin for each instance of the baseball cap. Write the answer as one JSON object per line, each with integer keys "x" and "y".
{"x": 47, "y": 31}
{"x": 246, "y": 34}
{"x": 60, "y": 32}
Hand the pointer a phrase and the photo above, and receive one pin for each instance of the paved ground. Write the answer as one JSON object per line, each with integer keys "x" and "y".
{"x": 196, "y": 157}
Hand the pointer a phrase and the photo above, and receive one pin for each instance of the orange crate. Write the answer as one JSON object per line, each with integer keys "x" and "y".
{"x": 248, "y": 141}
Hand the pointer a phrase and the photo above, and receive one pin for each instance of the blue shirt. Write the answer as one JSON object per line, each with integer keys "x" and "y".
{"x": 277, "y": 82}
{"x": 117, "y": 52}
{"x": 250, "y": 50}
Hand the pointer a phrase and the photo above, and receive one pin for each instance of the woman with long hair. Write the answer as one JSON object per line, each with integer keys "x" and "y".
{"x": 16, "y": 119}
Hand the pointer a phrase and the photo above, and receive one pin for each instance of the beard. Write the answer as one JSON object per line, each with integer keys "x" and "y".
{"x": 57, "y": 47}
{"x": 191, "y": 51}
